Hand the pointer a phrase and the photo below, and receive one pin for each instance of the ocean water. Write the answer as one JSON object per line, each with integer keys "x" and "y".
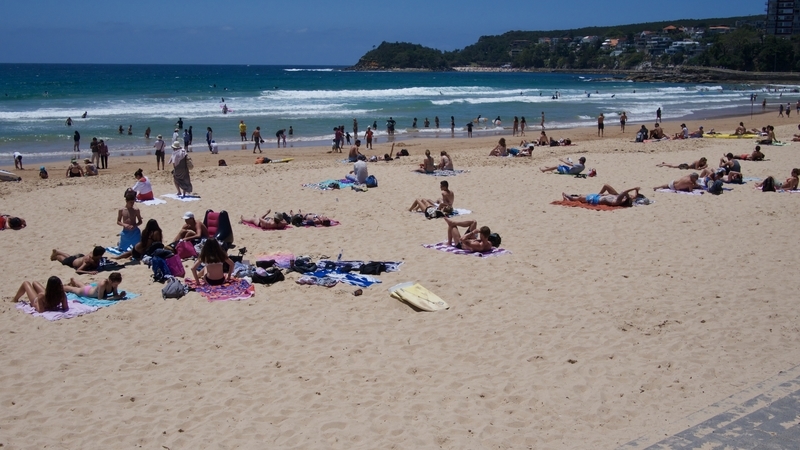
{"x": 36, "y": 99}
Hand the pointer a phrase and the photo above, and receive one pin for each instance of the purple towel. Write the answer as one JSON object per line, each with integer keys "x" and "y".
{"x": 75, "y": 309}
{"x": 443, "y": 247}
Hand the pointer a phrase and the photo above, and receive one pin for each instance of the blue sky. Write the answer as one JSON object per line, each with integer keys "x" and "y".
{"x": 298, "y": 32}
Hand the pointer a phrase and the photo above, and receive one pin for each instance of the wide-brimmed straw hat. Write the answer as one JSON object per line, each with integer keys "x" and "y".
{"x": 176, "y": 145}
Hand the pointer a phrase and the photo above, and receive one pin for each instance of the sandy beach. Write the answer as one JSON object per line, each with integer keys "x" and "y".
{"x": 599, "y": 328}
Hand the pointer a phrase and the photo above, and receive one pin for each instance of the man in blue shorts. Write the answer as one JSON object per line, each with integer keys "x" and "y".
{"x": 568, "y": 168}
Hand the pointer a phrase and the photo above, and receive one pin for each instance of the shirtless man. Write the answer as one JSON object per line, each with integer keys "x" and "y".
{"x": 82, "y": 264}
{"x": 600, "y": 124}
{"x": 473, "y": 240}
{"x": 256, "y": 137}
{"x": 352, "y": 156}
{"x": 755, "y": 156}
{"x": 192, "y": 229}
{"x": 266, "y": 222}
{"x": 700, "y": 164}
{"x": 657, "y": 132}
{"x": 740, "y": 130}
{"x": 687, "y": 183}
{"x": 105, "y": 289}
{"x": 607, "y": 196}
{"x": 445, "y": 163}
{"x": 445, "y": 203}
{"x": 567, "y": 168}
{"x": 368, "y": 136}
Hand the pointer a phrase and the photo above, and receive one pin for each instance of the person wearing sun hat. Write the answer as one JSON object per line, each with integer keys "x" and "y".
{"x": 191, "y": 229}
{"x": 89, "y": 168}
{"x": 180, "y": 171}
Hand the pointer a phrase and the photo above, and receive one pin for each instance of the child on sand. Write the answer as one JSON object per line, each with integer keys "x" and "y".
{"x": 129, "y": 218}
{"x": 105, "y": 289}
{"x": 82, "y": 264}
{"x": 41, "y": 298}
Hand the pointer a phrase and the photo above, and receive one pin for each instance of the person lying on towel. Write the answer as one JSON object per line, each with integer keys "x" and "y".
{"x": 567, "y": 168}
{"x": 474, "y": 240}
{"x": 607, "y": 196}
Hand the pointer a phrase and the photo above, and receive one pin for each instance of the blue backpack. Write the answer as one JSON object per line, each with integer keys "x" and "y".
{"x": 160, "y": 269}
{"x": 371, "y": 181}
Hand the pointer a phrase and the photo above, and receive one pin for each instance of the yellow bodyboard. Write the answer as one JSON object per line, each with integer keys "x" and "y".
{"x": 418, "y": 296}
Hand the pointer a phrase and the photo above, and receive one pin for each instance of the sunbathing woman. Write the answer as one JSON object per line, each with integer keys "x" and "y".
{"x": 309, "y": 219}
{"x": 755, "y": 156}
{"x": 500, "y": 149}
{"x": 50, "y": 298}
{"x": 700, "y": 164}
{"x": 790, "y": 184}
{"x": 105, "y": 289}
{"x": 428, "y": 165}
{"x": 213, "y": 257}
{"x": 278, "y": 222}
{"x": 445, "y": 163}
{"x": 607, "y": 196}
{"x": 150, "y": 242}
{"x": 14, "y": 223}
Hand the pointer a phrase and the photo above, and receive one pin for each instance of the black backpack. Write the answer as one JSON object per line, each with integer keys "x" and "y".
{"x": 272, "y": 275}
{"x": 372, "y": 268}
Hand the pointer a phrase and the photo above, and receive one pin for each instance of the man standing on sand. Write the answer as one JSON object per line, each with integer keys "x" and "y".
{"x": 77, "y": 139}
{"x": 159, "y": 146}
{"x": 686, "y": 184}
{"x": 243, "y": 131}
{"x": 368, "y": 136}
{"x": 542, "y": 120}
{"x": 257, "y": 139}
{"x": 622, "y": 119}
{"x": 658, "y": 114}
{"x": 355, "y": 128}
{"x": 469, "y": 129}
{"x": 600, "y": 125}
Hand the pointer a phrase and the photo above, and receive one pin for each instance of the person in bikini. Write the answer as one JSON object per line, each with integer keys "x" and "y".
{"x": 428, "y": 165}
{"x": 309, "y": 219}
{"x": 755, "y": 156}
{"x": 75, "y": 170}
{"x": 104, "y": 290}
{"x": 82, "y": 264}
{"x": 790, "y": 184}
{"x": 213, "y": 257}
{"x": 607, "y": 196}
{"x": 474, "y": 240}
{"x": 500, "y": 149}
{"x": 686, "y": 184}
{"x": 277, "y": 222}
{"x": 700, "y": 164}
{"x": 445, "y": 203}
{"x": 41, "y": 298}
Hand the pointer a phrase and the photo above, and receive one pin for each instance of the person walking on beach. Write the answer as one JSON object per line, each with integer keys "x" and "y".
{"x": 159, "y": 146}
{"x": 600, "y": 125}
{"x": 522, "y": 125}
{"x": 658, "y": 115}
{"x": 788, "y": 109}
{"x": 257, "y": 139}
{"x": 355, "y": 128}
{"x": 515, "y": 126}
{"x": 76, "y": 138}
{"x": 209, "y": 137}
{"x": 368, "y": 137}
{"x": 542, "y": 120}
{"x": 622, "y": 119}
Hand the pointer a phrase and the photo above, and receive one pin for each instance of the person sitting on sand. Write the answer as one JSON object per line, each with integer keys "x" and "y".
{"x": 500, "y": 149}
{"x": 213, "y": 257}
{"x": 428, "y": 165}
{"x": 684, "y": 133}
{"x": 43, "y": 173}
{"x": 755, "y": 156}
{"x": 796, "y": 137}
{"x": 81, "y": 263}
{"x": 657, "y": 132}
{"x": 151, "y": 240}
{"x": 41, "y": 298}
{"x": 14, "y": 223}
{"x": 143, "y": 188}
{"x": 740, "y": 130}
{"x": 192, "y": 230}
{"x": 265, "y": 222}
{"x": 444, "y": 204}
{"x": 354, "y": 152}
{"x": 687, "y": 183}
{"x": 474, "y": 240}
{"x": 770, "y": 138}
{"x": 790, "y": 184}
{"x": 607, "y": 196}
{"x": 445, "y": 163}
{"x": 74, "y": 170}
{"x": 105, "y": 289}
{"x": 360, "y": 173}
{"x": 544, "y": 141}
{"x": 697, "y": 134}
{"x": 700, "y": 164}
{"x": 89, "y": 169}
{"x": 730, "y": 164}
{"x": 568, "y": 168}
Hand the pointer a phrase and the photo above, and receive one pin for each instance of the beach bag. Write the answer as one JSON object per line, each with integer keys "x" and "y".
{"x": 173, "y": 289}
{"x": 304, "y": 265}
{"x": 189, "y": 163}
{"x": 372, "y": 268}
{"x": 268, "y": 276}
{"x": 175, "y": 266}
{"x": 403, "y": 152}
{"x": 371, "y": 181}
{"x": 433, "y": 213}
{"x": 641, "y": 136}
{"x": 495, "y": 239}
{"x": 185, "y": 250}
{"x": 160, "y": 270}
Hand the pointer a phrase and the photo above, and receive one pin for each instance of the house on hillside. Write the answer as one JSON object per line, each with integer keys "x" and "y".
{"x": 719, "y": 30}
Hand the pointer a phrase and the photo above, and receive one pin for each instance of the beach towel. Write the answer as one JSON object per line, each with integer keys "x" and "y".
{"x": 116, "y": 251}
{"x": 349, "y": 278}
{"x": 456, "y": 211}
{"x": 323, "y": 185}
{"x": 236, "y": 289}
{"x": 129, "y": 238}
{"x": 282, "y": 259}
{"x": 251, "y": 225}
{"x": 94, "y": 302}
{"x": 577, "y": 204}
{"x": 444, "y": 173}
{"x": 327, "y": 264}
{"x": 155, "y": 201}
{"x": 694, "y": 192}
{"x": 443, "y": 247}
{"x": 316, "y": 281}
{"x": 75, "y": 309}
{"x": 183, "y": 198}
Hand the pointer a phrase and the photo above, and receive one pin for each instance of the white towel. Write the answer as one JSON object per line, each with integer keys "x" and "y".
{"x": 694, "y": 192}
{"x": 155, "y": 201}
{"x": 182, "y": 199}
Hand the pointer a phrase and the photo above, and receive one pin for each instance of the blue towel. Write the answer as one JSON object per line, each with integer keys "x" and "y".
{"x": 349, "y": 278}
{"x": 94, "y": 302}
{"x": 129, "y": 238}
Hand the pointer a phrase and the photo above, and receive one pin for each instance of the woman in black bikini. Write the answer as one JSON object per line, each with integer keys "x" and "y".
{"x": 74, "y": 170}
{"x": 151, "y": 241}
{"x": 213, "y": 257}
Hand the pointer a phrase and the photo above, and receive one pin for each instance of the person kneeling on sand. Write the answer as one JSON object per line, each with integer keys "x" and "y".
{"x": 82, "y": 264}
{"x": 278, "y": 222}
{"x": 41, "y": 298}
{"x": 568, "y": 168}
{"x": 687, "y": 183}
{"x": 474, "y": 240}
{"x": 89, "y": 169}
{"x": 445, "y": 203}
{"x": 105, "y": 289}
{"x": 700, "y": 164}
{"x": 607, "y": 196}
